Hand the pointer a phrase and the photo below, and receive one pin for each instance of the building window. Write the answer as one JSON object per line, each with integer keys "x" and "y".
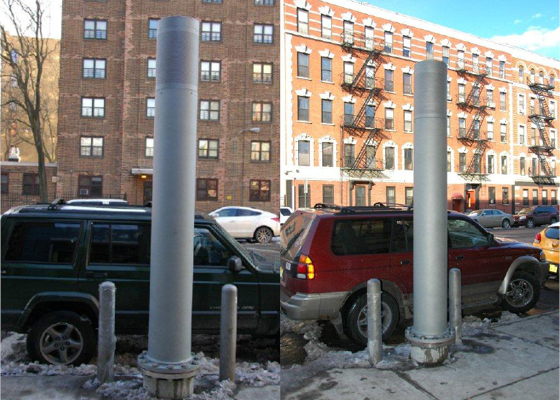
{"x": 326, "y": 26}
{"x": 262, "y": 112}
{"x": 551, "y": 80}
{"x": 525, "y": 197}
{"x": 521, "y": 134}
{"x": 503, "y": 133}
{"x": 262, "y": 73}
{"x": 327, "y": 151}
{"x": 370, "y": 117}
{"x": 264, "y": 2}
{"x": 448, "y": 126}
{"x": 263, "y": 34}
{"x": 303, "y": 21}
{"x": 460, "y": 59}
{"x": 475, "y": 63}
{"x": 521, "y": 104}
{"x": 208, "y": 148}
{"x": 462, "y": 127}
{"x": 326, "y": 69}
{"x": 212, "y": 1}
{"x": 445, "y": 55}
{"x": 149, "y": 147}
{"x": 462, "y": 162}
{"x": 304, "y": 153}
{"x": 522, "y": 165}
{"x": 31, "y": 185}
{"x": 303, "y": 65}
{"x": 503, "y": 69}
{"x": 406, "y": 46}
{"x": 211, "y": 32}
{"x": 505, "y": 195}
{"x": 304, "y": 196}
{"x": 94, "y": 68}
{"x": 259, "y": 190}
{"x": 348, "y": 113}
{"x": 328, "y": 194}
{"x": 210, "y": 71}
{"x": 545, "y": 197}
{"x": 348, "y": 32}
{"x": 389, "y": 158}
{"x": 90, "y": 186}
{"x": 91, "y": 146}
{"x": 391, "y": 198}
{"x": 408, "y": 121}
{"x": 388, "y": 48}
{"x": 260, "y": 151}
{"x": 504, "y": 165}
{"x": 370, "y": 77}
{"x": 535, "y": 197}
{"x": 477, "y": 163}
{"x": 476, "y": 95}
{"x": 476, "y": 129}
{"x": 369, "y": 37}
{"x": 409, "y": 196}
{"x": 448, "y": 161}
{"x": 521, "y": 74}
{"x": 408, "y": 163}
{"x": 95, "y": 29}
{"x": 348, "y": 73}
{"x": 553, "y": 138}
{"x": 303, "y": 108}
{"x": 14, "y": 56}
{"x": 5, "y": 183}
{"x": 326, "y": 111}
{"x": 553, "y": 198}
{"x": 206, "y": 189}
{"x": 534, "y": 167}
{"x": 152, "y": 28}
{"x": 490, "y": 130}
{"x": 407, "y": 83}
{"x": 429, "y": 51}
{"x": 151, "y": 67}
{"x": 489, "y": 66}
{"x": 210, "y": 110}
{"x": 389, "y": 83}
{"x": 490, "y": 98}
{"x": 461, "y": 91}
{"x": 502, "y": 101}
{"x": 93, "y": 107}
{"x": 490, "y": 165}
{"x": 150, "y": 107}
{"x": 389, "y": 119}
{"x": 349, "y": 155}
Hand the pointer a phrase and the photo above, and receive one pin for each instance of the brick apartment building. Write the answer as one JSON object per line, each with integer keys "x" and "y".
{"x": 347, "y": 130}
{"x": 106, "y": 108}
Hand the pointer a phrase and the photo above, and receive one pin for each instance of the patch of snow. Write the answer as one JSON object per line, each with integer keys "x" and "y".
{"x": 309, "y": 329}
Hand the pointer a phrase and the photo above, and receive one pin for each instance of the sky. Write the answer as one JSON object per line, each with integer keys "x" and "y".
{"x": 531, "y": 25}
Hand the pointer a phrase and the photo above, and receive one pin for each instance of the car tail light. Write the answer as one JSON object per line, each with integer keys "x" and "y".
{"x": 276, "y": 219}
{"x": 538, "y": 238}
{"x": 305, "y": 268}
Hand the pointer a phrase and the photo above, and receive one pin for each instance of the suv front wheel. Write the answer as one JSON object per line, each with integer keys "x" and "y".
{"x": 523, "y": 293}
{"x": 61, "y": 338}
{"x": 356, "y": 320}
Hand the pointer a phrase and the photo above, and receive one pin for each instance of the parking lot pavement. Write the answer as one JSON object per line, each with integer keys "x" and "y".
{"x": 271, "y": 251}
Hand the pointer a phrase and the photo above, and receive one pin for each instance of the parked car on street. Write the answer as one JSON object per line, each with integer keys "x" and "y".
{"x": 329, "y": 253}
{"x": 285, "y": 213}
{"x": 97, "y": 202}
{"x": 54, "y": 257}
{"x": 248, "y": 223}
{"x": 491, "y": 218}
{"x": 548, "y": 240}
{"x": 536, "y": 216}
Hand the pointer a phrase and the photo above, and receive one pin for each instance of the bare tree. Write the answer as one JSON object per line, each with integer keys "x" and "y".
{"x": 25, "y": 54}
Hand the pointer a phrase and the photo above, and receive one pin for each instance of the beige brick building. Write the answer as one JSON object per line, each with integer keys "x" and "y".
{"x": 106, "y": 111}
{"x": 347, "y": 131}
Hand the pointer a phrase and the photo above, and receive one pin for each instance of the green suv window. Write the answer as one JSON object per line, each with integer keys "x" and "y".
{"x": 120, "y": 244}
{"x": 43, "y": 242}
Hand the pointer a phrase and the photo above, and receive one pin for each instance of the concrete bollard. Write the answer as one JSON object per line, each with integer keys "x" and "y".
{"x": 375, "y": 323}
{"x": 107, "y": 340}
{"x": 228, "y": 333}
{"x": 455, "y": 307}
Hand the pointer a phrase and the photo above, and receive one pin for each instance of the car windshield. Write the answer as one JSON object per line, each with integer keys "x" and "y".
{"x": 525, "y": 211}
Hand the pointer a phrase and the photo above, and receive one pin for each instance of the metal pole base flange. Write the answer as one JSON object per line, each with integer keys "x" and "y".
{"x": 429, "y": 349}
{"x": 173, "y": 381}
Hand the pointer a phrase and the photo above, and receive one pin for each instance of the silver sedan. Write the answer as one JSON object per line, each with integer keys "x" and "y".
{"x": 492, "y": 218}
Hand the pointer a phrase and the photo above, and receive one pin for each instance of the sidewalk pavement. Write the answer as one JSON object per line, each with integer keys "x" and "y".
{"x": 513, "y": 361}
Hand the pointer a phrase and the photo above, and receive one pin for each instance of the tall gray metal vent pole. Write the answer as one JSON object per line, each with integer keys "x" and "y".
{"x": 429, "y": 336}
{"x": 169, "y": 367}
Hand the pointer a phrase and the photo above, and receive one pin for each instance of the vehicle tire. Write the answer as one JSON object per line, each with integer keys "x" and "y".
{"x": 49, "y": 336}
{"x": 530, "y": 223}
{"x": 506, "y": 224}
{"x": 356, "y": 320}
{"x": 263, "y": 235}
{"x": 522, "y": 294}
{"x": 553, "y": 220}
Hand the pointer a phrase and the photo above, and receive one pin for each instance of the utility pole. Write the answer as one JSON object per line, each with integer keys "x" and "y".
{"x": 168, "y": 367}
{"x": 430, "y": 336}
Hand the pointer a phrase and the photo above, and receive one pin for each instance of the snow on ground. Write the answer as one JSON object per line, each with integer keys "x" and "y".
{"x": 309, "y": 329}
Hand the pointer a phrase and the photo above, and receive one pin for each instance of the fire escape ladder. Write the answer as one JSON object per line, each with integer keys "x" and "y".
{"x": 362, "y": 162}
{"x": 543, "y": 144}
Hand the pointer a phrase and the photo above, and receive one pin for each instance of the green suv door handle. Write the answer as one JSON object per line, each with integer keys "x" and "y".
{"x": 90, "y": 274}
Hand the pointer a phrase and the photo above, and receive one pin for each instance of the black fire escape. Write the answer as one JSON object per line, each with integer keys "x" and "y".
{"x": 541, "y": 146}
{"x": 472, "y": 137}
{"x": 367, "y": 89}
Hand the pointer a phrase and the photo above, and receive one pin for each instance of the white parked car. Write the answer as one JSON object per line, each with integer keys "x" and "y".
{"x": 285, "y": 213}
{"x": 248, "y": 223}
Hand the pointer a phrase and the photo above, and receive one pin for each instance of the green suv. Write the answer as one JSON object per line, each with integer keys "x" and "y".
{"x": 55, "y": 256}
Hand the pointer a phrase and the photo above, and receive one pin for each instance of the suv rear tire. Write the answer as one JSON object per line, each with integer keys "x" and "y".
{"x": 530, "y": 223}
{"x": 263, "y": 235}
{"x": 522, "y": 294}
{"x": 553, "y": 220}
{"x": 61, "y": 338}
{"x": 357, "y": 328}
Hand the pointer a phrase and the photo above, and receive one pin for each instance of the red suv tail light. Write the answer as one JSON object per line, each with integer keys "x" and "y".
{"x": 538, "y": 238}
{"x": 305, "y": 268}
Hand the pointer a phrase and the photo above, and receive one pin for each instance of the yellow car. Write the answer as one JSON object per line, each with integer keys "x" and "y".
{"x": 547, "y": 240}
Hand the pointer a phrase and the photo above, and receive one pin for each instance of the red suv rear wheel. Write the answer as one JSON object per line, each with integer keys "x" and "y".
{"x": 356, "y": 319}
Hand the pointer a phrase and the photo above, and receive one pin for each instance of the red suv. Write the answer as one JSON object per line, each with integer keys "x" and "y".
{"x": 329, "y": 253}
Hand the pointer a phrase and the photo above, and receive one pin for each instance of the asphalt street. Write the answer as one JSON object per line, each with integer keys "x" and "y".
{"x": 271, "y": 251}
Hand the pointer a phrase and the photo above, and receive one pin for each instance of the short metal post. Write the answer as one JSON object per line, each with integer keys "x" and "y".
{"x": 107, "y": 341}
{"x": 375, "y": 323}
{"x": 455, "y": 317}
{"x": 228, "y": 333}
